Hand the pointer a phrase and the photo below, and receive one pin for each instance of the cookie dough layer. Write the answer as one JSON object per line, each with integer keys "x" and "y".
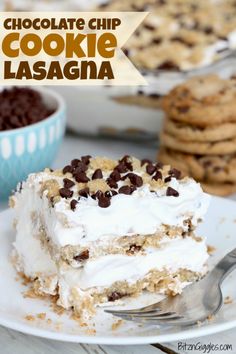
{"x": 189, "y": 133}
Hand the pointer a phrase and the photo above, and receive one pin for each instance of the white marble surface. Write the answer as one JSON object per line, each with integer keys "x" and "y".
{"x": 14, "y": 342}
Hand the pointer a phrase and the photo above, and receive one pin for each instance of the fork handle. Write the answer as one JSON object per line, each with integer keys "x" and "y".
{"x": 224, "y": 267}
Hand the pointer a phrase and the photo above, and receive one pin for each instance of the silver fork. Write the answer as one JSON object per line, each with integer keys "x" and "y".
{"x": 198, "y": 302}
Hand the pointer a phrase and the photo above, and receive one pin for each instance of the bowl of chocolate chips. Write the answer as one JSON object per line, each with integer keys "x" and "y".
{"x": 32, "y": 125}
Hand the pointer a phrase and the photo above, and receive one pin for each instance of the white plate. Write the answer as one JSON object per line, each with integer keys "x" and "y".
{"x": 219, "y": 227}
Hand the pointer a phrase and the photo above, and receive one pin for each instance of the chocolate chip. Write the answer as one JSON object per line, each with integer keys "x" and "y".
{"x": 86, "y": 159}
{"x": 154, "y": 95}
{"x": 150, "y": 168}
{"x": 140, "y": 92}
{"x": 81, "y": 177}
{"x": 68, "y": 183}
{"x": 208, "y": 30}
{"x": 65, "y": 193}
{"x": 159, "y": 165}
{"x": 134, "y": 248}
{"x": 168, "y": 65}
{"x": 157, "y": 40}
{"x": 83, "y": 256}
{"x": 167, "y": 179}
{"x": 84, "y": 192}
{"x": 104, "y": 202}
{"x": 111, "y": 183}
{"x": 81, "y": 167}
{"x": 143, "y": 161}
{"x": 97, "y": 195}
{"x": 115, "y": 296}
{"x": 158, "y": 175}
{"x": 125, "y": 190}
{"x": 122, "y": 168}
{"x": 97, "y": 174}
{"x": 135, "y": 179}
{"x": 110, "y": 193}
{"x": 175, "y": 173}
{"x": 115, "y": 175}
{"x": 67, "y": 169}
{"x": 171, "y": 192}
{"x": 126, "y": 161}
{"x": 149, "y": 27}
{"x": 73, "y": 204}
{"x": 75, "y": 162}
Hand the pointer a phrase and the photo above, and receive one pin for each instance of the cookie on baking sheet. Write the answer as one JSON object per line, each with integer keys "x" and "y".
{"x": 185, "y": 132}
{"x": 215, "y": 169}
{"x": 220, "y": 189}
{"x": 202, "y": 101}
{"x": 204, "y": 148}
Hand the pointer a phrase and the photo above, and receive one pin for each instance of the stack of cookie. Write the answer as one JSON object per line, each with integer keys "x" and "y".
{"x": 199, "y": 132}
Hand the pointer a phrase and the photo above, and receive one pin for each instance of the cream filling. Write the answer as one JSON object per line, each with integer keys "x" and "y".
{"x": 143, "y": 212}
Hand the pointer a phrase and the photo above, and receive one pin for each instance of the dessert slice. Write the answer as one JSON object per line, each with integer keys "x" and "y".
{"x": 99, "y": 230}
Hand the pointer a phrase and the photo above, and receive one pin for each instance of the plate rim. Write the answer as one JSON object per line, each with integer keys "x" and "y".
{"x": 186, "y": 334}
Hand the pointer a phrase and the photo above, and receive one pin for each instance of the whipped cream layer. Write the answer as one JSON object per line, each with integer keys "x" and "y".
{"x": 144, "y": 212}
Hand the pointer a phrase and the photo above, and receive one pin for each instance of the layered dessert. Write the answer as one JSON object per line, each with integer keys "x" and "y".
{"x": 99, "y": 230}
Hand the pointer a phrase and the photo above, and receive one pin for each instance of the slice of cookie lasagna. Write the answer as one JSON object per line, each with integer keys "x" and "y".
{"x": 99, "y": 230}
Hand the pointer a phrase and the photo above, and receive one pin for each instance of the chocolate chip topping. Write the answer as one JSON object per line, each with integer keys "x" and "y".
{"x": 115, "y": 296}
{"x": 75, "y": 162}
{"x": 150, "y": 168}
{"x": 112, "y": 183}
{"x": 97, "y": 195}
{"x": 86, "y": 159}
{"x": 158, "y": 175}
{"x": 81, "y": 167}
{"x": 110, "y": 193}
{"x": 175, "y": 173}
{"x": 125, "y": 190}
{"x": 73, "y": 204}
{"x": 143, "y": 161}
{"x": 68, "y": 183}
{"x": 115, "y": 175}
{"x": 168, "y": 65}
{"x": 84, "y": 192}
{"x": 171, "y": 192}
{"x": 83, "y": 256}
{"x": 65, "y": 193}
{"x": 81, "y": 177}
{"x": 67, "y": 169}
{"x": 167, "y": 179}
{"x": 134, "y": 179}
{"x": 134, "y": 248}
{"x": 97, "y": 174}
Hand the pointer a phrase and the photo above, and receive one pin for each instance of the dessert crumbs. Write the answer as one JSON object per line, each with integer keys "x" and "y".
{"x": 116, "y": 325}
{"x": 210, "y": 249}
{"x": 228, "y": 300}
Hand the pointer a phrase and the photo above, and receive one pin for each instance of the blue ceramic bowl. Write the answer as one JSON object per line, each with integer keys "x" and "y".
{"x": 32, "y": 148}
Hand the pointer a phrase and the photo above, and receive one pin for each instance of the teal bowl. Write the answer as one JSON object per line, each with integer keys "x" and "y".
{"x": 32, "y": 148}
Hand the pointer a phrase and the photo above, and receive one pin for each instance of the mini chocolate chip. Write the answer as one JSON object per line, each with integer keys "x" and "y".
{"x": 122, "y": 168}
{"x": 115, "y": 175}
{"x": 81, "y": 167}
{"x": 150, "y": 168}
{"x": 171, "y": 192}
{"x": 68, "y": 183}
{"x": 97, "y": 174}
{"x": 83, "y": 256}
{"x": 67, "y": 169}
{"x": 140, "y": 92}
{"x": 111, "y": 183}
{"x": 75, "y": 162}
{"x": 125, "y": 190}
{"x": 104, "y": 202}
{"x": 154, "y": 95}
{"x": 143, "y": 161}
{"x": 167, "y": 179}
{"x": 86, "y": 159}
{"x": 81, "y": 177}
{"x": 134, "y": 248}
{"x": 110, "y": 193}
{"x": 149, "y": 27}
{"x": 133, "y": 188}
{"x": 84, "y": 192}
{"x": 97, "y": 195}
{"x": 158, "y": 175}
{"x": 115, "y": 296}
{"x": 135, "y": 179}
{"x": 157, "y": 40}
{"x": 175, "y": 173}
{"x": 65, "y": 193}
{"x": 125, "y": 160}
{"x": 168, "y": 65}
{"x": 73, "y": 204}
